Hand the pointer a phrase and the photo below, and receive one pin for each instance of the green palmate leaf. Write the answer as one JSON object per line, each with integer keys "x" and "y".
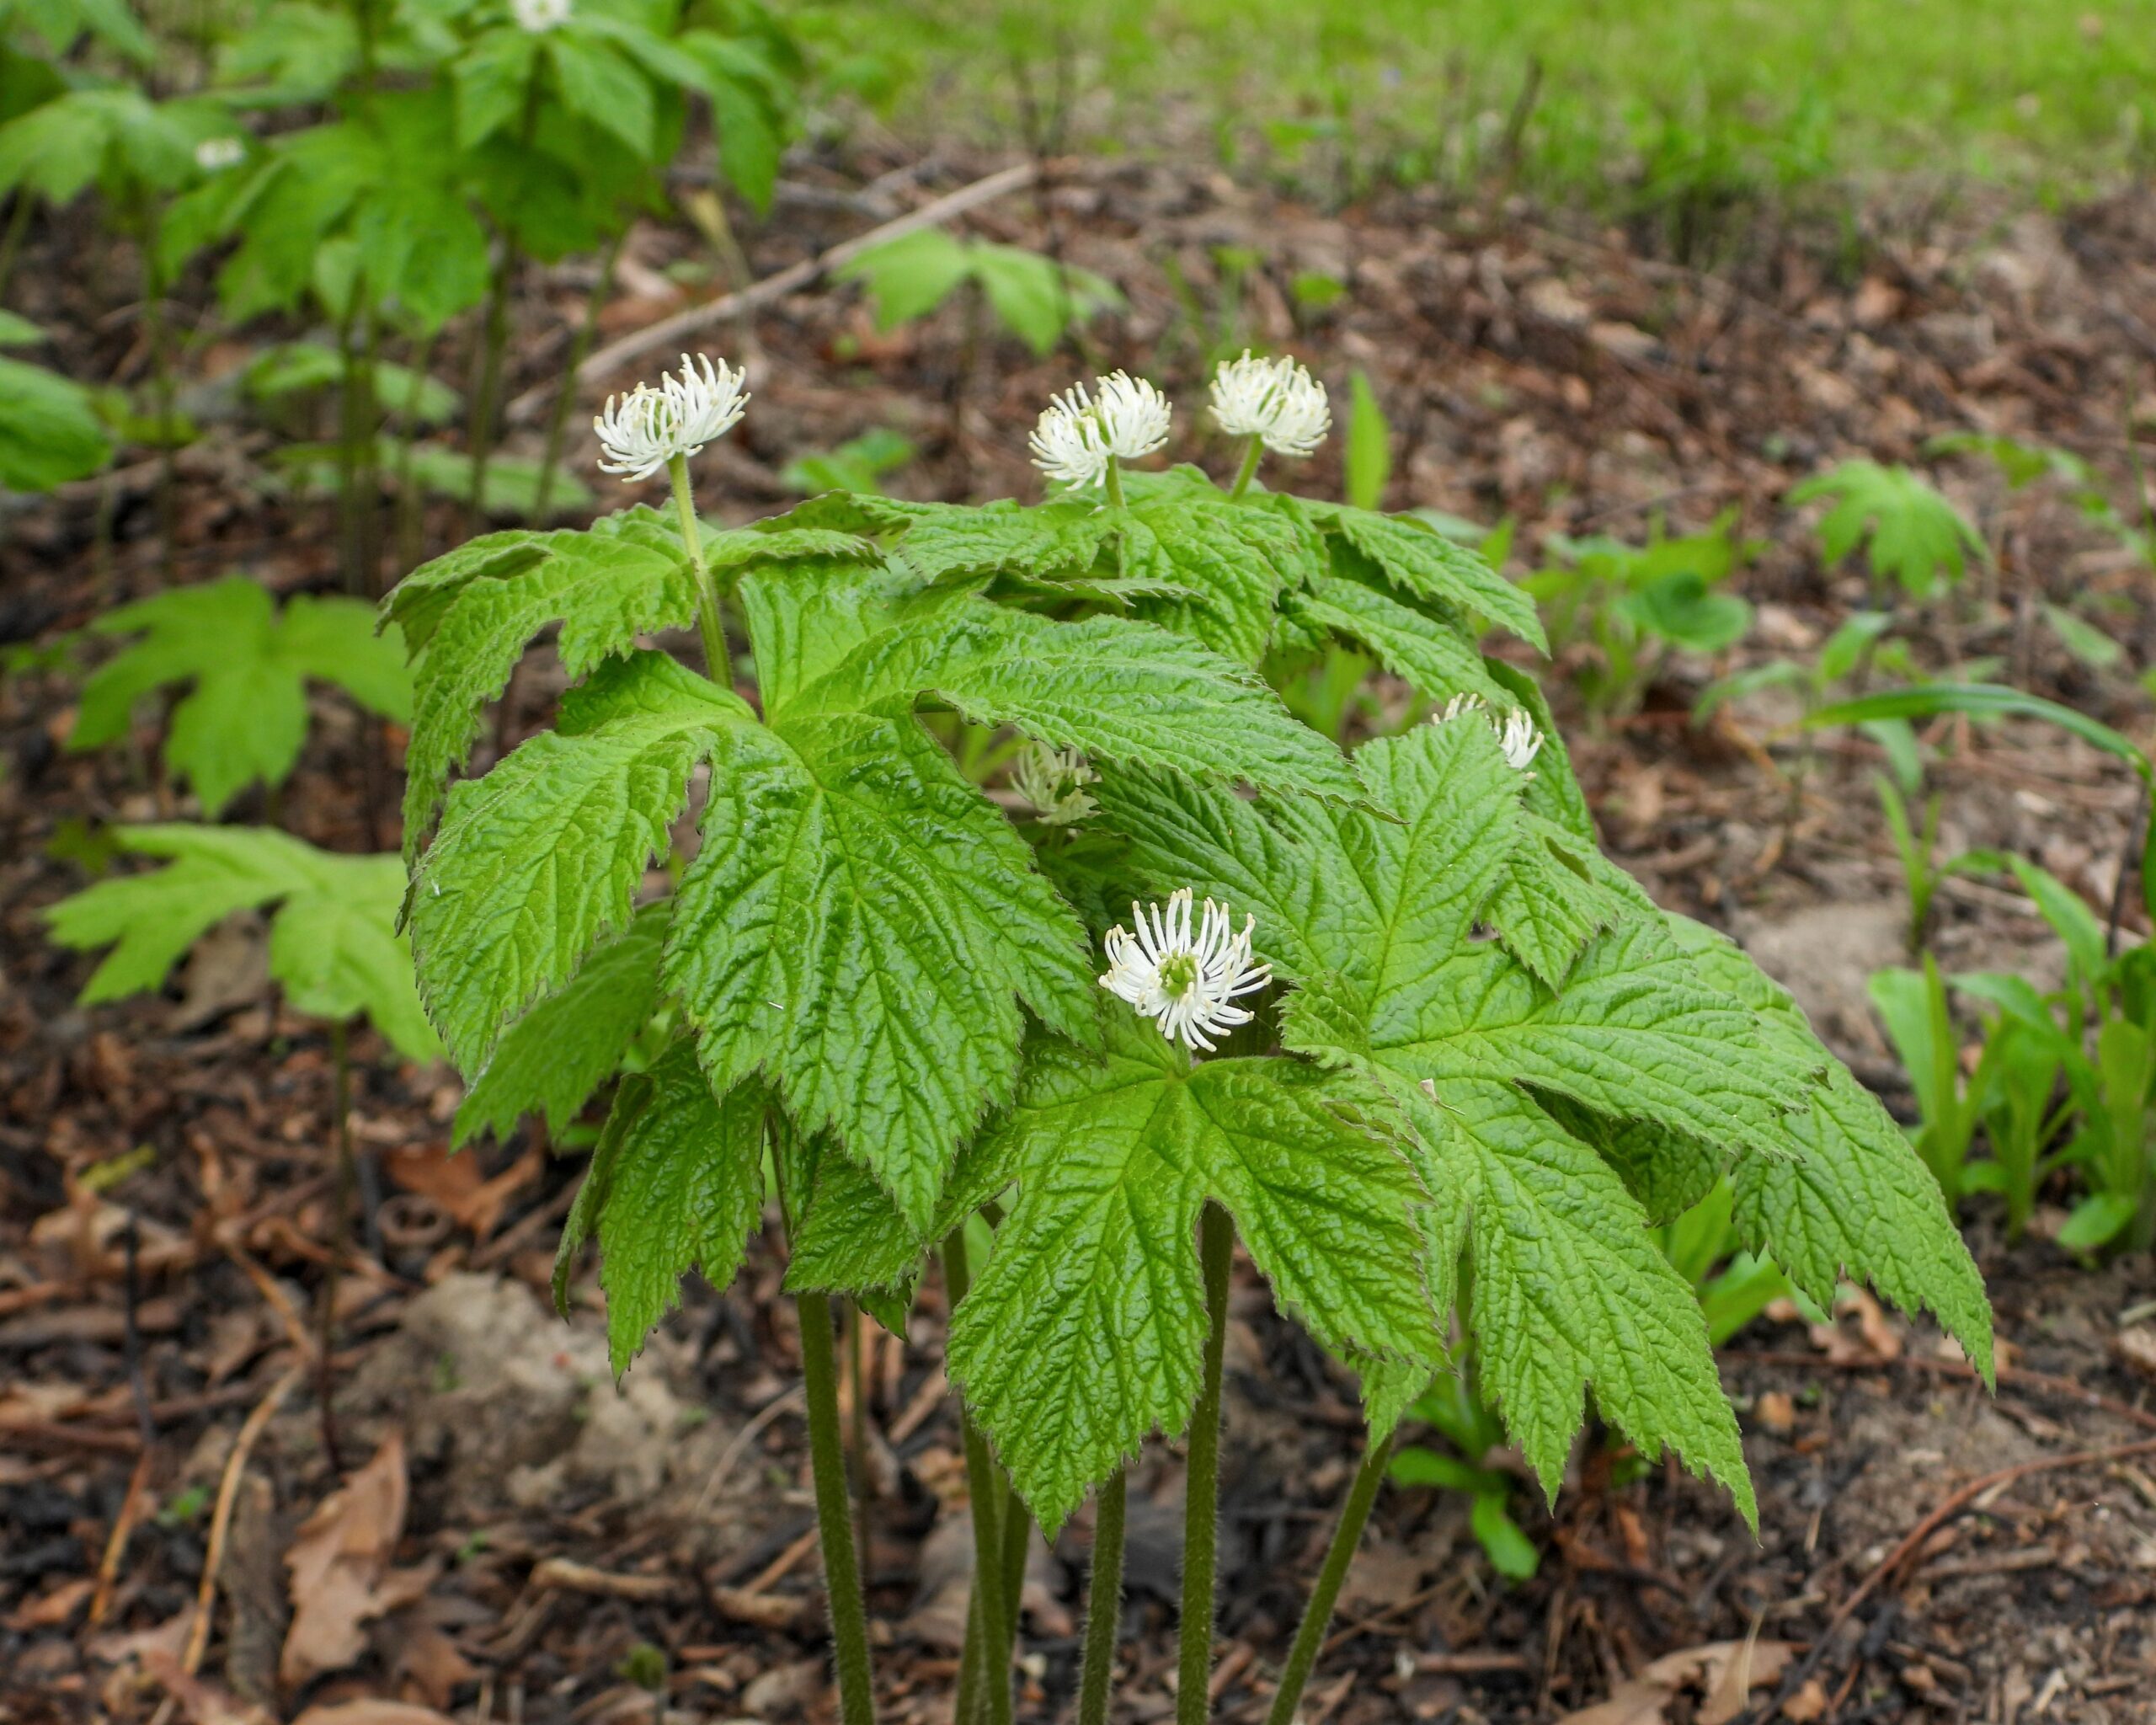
{"x": 475, "y": 612}
{"x": 1558, "y": 893}
{"x": 857, "y": 924}
{"x": 1235, "y": 560}
{"x": 1434, "y": 659}
{"x": 1917, "y": 537}
{"x": 676, "y": 1184}
{"x": 1379, "y": 921}
{"x": 469, "y": 616}
{"x": 1064, "y": 536}
{"x": 245, "y": 717}
{"x": 1570, "y": 1289}
{"x": 49, "y": 430}
{"x": 1117, "y": 690}
{"x": 545, "y": 854}
{"x": 1418, "y": 560}
{"x": 552, "y": 1061}
{"x": 333, "y": 944}
{"x": 1085, "y": 1330}
{"x": 1854, "y": 1196}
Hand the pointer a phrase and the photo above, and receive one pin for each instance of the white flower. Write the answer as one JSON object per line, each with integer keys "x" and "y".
{"x": 1053, "y": 781}
{"x": 1275, "y": 401}
{"x": 1517, "y": 739}
{"x": 1125, "y": 417}
{"x": 1184, "y": 985}
{"x": 651, "y": 426}
{"x": 540, "y": 16}
{"x": 215, "y": 155}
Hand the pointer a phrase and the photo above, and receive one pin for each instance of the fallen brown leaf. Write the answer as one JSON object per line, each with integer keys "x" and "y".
{"x": 367, "y": 1711}
{"x": 456, "y": 1183}
{"x": 340, "y": 1561}
{"x": 1727, "y": 1671}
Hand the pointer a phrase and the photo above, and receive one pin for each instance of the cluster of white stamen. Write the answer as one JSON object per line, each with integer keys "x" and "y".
{"x": 1516, "y": 737}
{"x": 215, "y": 155}
{"x": 1186, "y": 986}
{"x": 1124, "y": 416}
{"x": 1276, "y": 401}
{"x": 540, "y": 16}
{"x": 650, "y": 427}
{"x": 1052, "y": 782}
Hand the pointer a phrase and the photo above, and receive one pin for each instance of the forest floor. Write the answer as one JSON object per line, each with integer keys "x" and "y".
{"x": 515, "y": 1538}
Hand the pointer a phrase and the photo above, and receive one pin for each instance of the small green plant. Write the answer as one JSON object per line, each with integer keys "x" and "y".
{"x": 1036, "y": 298}
{"x": 333, "y": 945}
{"x": 1451, "y": 1408}
{"x": 1912, "y": 537}
{"x": 1917, "y": 849}
{"x": 247, "y": 664}
{"x": 1706, "y": 1247}
{"x": 857, "y": 465}
{"x": 1388, "y": 1017}
{"x": 1919, "y": 1021}
{"x": 49, "y": 432}
{"x": 1634, "y": 603}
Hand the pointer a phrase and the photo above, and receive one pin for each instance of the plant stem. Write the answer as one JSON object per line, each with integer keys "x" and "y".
{"x": 1310, "y": 1634}
{"x": 1113, "y": 481}
{"x": 579, "y": 345}
{"x": 986, "y": 1632}
{"x": 967, "y": 1701}
{"x": 1202, "y": 1493}
{"x": 1103, "y": 1603}
{"x": 834, "y": 1519}
{"x": 717, "y": 666}
{"x": 1253, "y": 452}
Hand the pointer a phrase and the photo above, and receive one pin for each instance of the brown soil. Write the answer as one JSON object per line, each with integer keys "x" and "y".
{"x": 553, "y": 1526}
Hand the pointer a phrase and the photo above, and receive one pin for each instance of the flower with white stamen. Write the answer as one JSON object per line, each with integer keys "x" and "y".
{"x": 215, "y": 155}
{"x": 651, "y": 427}
{"x": 1052, "y": 782}
{"x": 1276, "y": 401}
{"x": 1186, "y": 984}
{"x": 1123, "y": 418}
{"x": 540, "y": 16}
{"x": 1517, "y": 739}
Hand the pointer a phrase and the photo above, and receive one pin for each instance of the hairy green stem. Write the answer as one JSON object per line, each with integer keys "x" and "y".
{"x": 987, "y": 1633}
{"x": 1253, "y": 452}
{"x": 966, "y": 1703}
{"x": 842, "y": 1591}
{"x": 1202, "y": 1492}
{"x": 1103, "y": 1603}
{"x": 1310, "y": 1634}
{"x": 1017, "y": 1525}
{"x": 717, "y": 666}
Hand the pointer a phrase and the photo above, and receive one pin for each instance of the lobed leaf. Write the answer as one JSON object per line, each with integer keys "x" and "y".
{"x": 1084, "y": 1332}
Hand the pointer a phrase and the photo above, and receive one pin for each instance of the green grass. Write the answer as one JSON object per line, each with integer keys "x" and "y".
{"x": 1638, "y": 105}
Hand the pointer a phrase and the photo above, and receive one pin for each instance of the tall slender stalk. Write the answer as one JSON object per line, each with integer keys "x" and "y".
{"x": 987, "y": 1643}
{"x": 849, "y": 1609}
{"x": 565, "y": 397}
{"x": 1201, "y": 1494}
{"x": 1310, "y": 1634}
{"x": 716, "y": 665}
{"x": 1103, "y": 1603}
{"x": 1253, "y": 452}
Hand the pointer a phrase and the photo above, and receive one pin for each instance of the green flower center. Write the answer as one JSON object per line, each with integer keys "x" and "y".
{"x": 1177, "y": 972}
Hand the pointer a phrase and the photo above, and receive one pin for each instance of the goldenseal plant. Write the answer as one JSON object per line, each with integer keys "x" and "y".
{"x": 1389, "y": 1022}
